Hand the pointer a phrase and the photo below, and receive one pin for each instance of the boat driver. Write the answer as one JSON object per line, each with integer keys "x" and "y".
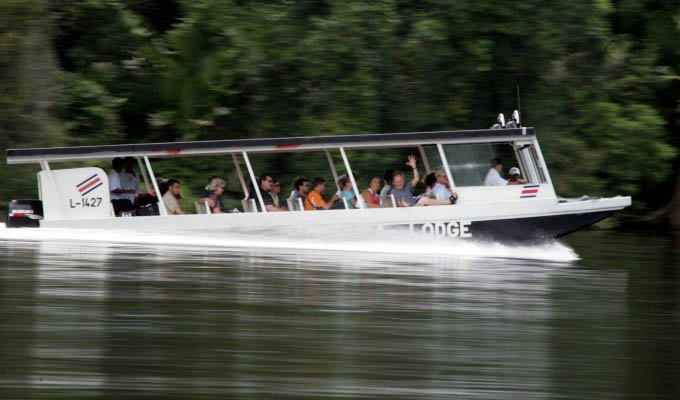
{"x": 493, "y": 177}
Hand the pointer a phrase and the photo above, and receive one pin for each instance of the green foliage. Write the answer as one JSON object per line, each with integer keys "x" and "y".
{"x": 90, "y": 112}
{"x": 27, "y": 83}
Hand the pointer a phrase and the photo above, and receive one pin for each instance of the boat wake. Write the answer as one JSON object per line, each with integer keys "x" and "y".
{"x": 339, "y": 242}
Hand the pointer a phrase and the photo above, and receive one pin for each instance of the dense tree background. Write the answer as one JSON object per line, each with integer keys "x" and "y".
{"x": 600, "y": 80}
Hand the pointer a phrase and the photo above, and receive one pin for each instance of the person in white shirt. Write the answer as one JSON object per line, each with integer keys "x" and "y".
{"x": 119, "y": 195}
{"x": 128, "y": 179}
{"x": 430, "y": 197}
{"x": 440, "y": 189}
{"x": 493, "y": 177}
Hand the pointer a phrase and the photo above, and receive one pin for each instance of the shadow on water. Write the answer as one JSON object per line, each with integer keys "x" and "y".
{"x": 87, "y": 320}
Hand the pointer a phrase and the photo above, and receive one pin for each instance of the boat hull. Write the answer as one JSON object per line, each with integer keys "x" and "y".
{"x": 535, "y": 228}
{"x": 537, "y": 220}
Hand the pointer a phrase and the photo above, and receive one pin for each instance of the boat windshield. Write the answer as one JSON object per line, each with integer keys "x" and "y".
{"x": 470, "y": 163}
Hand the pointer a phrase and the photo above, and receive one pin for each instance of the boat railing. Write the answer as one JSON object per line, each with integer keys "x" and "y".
{"x": 202, "y": 208}
{"x": 249, "y": 206}
{"x": 388, "y": 201}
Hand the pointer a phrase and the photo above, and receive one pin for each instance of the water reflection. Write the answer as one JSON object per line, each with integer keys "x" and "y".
{"x": 134, "y": 321}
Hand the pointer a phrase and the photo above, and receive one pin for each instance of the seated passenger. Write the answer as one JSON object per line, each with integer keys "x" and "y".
{"x": 388, "y": 182}
{"x": 402, "y": 190}
{"x": 315, "y": 201}
{"x": 440, "y": 189}
{"x": 434, "y": 197}
{"x": 119, "y": 195}
{"x": 493, "y": 177}
{"x": 212, "y": 196}
{"x": 266, "y": 182}
{"x": 347, "y": 193}
{"x": 171, "y": 196}
{"x": 276, "y": 189}
{"x": 300, "y": 189}
{"x": 128, "y": 179}
{"x": 513, "y": 178}
{"x": 210, "y": 181}
{"x": 370, "y": 195}
{"x": 429, "y": 181}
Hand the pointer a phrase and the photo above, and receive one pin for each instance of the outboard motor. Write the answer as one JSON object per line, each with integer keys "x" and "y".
{"x": 24, "y": 213}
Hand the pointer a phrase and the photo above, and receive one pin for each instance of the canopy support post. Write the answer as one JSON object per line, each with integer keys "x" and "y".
{"x": 426, "y": 162}
{"x": 161, "y": 204}
{"x": 255, "y": 185}
{"x": 240, "y": 175}
{"x": 144, "y": 174}
{"x": 333, "y": 170}
{"x": 359, "y": 201}
{"x": 447, "y": 168}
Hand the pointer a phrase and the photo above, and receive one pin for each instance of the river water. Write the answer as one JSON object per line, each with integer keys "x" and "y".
{"x": 84, "y": 315}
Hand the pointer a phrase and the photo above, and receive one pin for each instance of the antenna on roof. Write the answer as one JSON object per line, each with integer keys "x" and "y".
{"x": 519, "y": 105}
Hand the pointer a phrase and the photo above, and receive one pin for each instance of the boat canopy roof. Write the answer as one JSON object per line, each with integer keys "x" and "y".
{"x": 284, "y": 144}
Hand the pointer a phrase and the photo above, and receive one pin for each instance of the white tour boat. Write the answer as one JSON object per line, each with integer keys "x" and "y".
{"x": 80, "y": 197}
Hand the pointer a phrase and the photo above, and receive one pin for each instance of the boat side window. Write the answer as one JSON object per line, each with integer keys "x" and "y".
{"x": 530, "y": 163}
{"x": 537, "y": 163}
{"x": 470, "y": 163}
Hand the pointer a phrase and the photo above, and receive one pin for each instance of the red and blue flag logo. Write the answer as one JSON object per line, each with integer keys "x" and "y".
{"x": 529, "y": 191}
{"x": 89, "y": 185}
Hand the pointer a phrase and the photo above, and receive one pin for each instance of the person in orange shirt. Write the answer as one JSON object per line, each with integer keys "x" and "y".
{"x": 314, "y": 200}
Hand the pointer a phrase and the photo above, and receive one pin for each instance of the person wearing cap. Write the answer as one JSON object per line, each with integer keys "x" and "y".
{"x": 513, "y": 178}
{"x": 493, "y": 177}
